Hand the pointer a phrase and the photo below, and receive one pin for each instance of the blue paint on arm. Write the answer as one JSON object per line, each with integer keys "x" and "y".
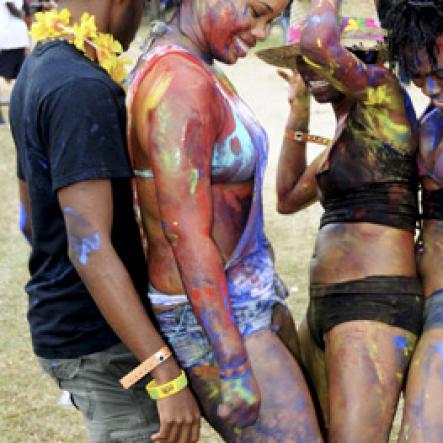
{"x": 83, "y": 246}
{"x": 23, "y": 219}
{"x": 83, "y": 240}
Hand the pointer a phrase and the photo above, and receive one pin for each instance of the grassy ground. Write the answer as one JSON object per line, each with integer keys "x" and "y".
{"x": 29, "y": 411}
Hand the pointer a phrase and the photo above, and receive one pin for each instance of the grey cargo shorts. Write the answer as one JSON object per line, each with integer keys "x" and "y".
{"x": 111, "y": 413}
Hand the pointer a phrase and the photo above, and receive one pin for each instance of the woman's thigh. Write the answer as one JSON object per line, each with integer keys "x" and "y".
{"x": 366, "y": 362}
{"x": 286, "y": 413}
{"x": 422, "y": 421}
{"x": 313, "y": 361}
{"x": 424, "y": 389}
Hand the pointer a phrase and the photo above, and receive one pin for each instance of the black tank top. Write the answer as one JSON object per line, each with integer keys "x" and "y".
{"x": 368, "y": 180}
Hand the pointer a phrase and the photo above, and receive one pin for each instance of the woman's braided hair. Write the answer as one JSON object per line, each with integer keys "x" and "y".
{"x": 413, "y": 24}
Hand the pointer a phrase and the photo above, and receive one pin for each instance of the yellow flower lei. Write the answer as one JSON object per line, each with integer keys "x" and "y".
{"x": 53, "y": 24}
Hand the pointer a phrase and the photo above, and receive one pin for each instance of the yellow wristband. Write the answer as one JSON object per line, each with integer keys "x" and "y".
{"x": 167, "y": 389}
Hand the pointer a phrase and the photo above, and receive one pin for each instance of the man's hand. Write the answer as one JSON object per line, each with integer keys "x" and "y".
{"x": 179, "y": 418}
{"x": 241, "y": 399}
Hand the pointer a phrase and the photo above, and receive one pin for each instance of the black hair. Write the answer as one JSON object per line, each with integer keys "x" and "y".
{"x": 416, "y": 25}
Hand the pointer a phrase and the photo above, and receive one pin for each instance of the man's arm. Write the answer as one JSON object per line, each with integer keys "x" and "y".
{"x": 88, "y": 208}
{"x": 25, "y": 210}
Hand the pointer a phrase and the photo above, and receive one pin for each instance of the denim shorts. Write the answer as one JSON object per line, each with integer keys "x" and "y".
{"x": 187, "y": 338}
{"x": 111, "y": 414}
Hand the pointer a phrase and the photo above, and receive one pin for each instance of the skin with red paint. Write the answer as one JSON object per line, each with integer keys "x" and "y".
{"x": 193, "y": 221}
{"x": 423, "y": 397}
{"x": 364, "y": 365}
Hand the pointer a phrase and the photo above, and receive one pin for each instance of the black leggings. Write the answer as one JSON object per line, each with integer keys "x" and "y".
{"x": 396, "y": 301}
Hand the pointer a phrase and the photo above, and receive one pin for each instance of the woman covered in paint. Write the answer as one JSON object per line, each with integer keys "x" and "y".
{"x": 365, "y": 298}
{"x": 199, "y": 157}
{"x": 416, "y": 39}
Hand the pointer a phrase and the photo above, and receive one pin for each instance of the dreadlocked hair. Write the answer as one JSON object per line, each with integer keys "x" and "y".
{"x": 413, "y": 24}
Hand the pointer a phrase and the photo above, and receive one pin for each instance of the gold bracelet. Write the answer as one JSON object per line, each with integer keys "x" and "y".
{"x": 300, "y": 136}
{"x": 157, "y": 392}
{"x": 146, "y": 367}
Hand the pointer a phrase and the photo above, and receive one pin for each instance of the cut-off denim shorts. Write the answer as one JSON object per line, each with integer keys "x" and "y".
{"x": 187, "y": 338}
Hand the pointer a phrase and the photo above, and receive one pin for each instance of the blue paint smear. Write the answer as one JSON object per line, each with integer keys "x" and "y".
{"x": 84, "y": 246}
{"x": 23, "y": 218}
{"x": 94, "y": 128}
{"x": 400, "y": 342}
{"x": 439, "y": 347}
{"x": 238, "y": 167}
{"x": 43, "y": 164}
{"x": 300, "y": 405}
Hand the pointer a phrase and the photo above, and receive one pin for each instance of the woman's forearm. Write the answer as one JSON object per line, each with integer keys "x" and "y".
{"x": 292, "y": 161}
{"x": 321, "y": 32}
{"x": 203, "y": 275}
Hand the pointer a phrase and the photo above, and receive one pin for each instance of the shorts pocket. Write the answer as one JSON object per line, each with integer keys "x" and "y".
{"x": 140, "y": 435}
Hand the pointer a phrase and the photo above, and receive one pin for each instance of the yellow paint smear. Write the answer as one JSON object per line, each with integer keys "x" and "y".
{"x": 157, "y": 92}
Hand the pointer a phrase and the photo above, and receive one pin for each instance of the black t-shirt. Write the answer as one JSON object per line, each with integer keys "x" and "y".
{"x": 68, "y": 120}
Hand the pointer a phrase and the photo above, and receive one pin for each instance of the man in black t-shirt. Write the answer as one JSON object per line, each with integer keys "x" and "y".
{"x": 87, "y": 268}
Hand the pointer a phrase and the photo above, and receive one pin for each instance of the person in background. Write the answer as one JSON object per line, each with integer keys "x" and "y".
{"x": 89, "y": 324}
{"x": 14, "y": 41}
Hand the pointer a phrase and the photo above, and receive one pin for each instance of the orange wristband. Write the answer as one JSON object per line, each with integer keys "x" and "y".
{"x": 300, "y": 136}
{"x": 146, "y": 367}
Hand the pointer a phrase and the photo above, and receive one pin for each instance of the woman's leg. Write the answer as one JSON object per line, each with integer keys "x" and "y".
{"x": 422, "y": 422}
{"x": 366, "y": 362}
{"x": 284, "y": 326}
{"x": 424, "y": 390}
{"x": 286, "y": 414}
{"x": 314, "y": 364}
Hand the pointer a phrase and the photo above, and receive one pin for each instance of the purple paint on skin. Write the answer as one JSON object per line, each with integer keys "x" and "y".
{"x": 301, "y": 405}
{"x": 315, "y": 19}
